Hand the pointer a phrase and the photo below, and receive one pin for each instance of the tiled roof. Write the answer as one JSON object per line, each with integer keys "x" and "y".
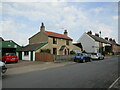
{"x": 99, "y": 39}
{"x": 32, "y": 47}
{"x": 57, "y": 35}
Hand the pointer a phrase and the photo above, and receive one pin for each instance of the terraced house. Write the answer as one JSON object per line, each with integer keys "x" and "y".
{"x": 55, "y": 43}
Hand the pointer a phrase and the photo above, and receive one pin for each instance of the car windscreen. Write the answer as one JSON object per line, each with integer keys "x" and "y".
{"x": 11, "y": 55}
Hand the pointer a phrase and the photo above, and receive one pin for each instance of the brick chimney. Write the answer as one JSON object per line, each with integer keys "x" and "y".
{"x": 42, "y": 27}
{"x": 106, "y": 38}
{"x": 114, "y": 41}
{"x": 65, "y": 32}
{"x": 110, "y": 39}
{"x": 89, "y": 32}
{"x": 96, "y": 34}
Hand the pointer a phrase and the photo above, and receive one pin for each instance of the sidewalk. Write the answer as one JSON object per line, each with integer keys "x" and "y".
{"x": 29, "y": 66}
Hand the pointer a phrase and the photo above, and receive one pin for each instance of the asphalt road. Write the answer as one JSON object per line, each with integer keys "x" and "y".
{"x": 95, "y": 74}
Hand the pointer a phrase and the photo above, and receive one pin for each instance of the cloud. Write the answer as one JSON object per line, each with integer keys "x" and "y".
{"x": 56, "y": 15}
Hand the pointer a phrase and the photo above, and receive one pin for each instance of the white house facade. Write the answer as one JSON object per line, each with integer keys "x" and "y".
{"x": 92, "y": 43}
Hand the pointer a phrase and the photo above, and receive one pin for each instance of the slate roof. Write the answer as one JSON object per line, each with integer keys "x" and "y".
{"x": 99, "y": 39}
{"x": 32, "y": 47}
{"x": 53, "y": 34}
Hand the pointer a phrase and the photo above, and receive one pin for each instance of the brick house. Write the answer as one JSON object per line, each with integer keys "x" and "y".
{"x": 57, "y": 44}
{"x": 115, "y": 48}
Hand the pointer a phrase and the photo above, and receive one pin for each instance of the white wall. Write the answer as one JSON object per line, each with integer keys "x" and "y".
{"x": 87, "y": 42}
{"x": 33, "y": 56}
{"x": 26, "y": 57}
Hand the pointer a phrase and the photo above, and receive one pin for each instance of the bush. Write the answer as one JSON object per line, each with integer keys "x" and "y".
{"x": 45, "y": 50}
{"x": 72, "y": 52}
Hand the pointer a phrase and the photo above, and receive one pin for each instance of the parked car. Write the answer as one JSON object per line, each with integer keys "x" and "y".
{"x": 97, "y": 56}
{"x": 3, "y": 67}
{"x": 82, "y": 57}
{"x": 10, "y": 57}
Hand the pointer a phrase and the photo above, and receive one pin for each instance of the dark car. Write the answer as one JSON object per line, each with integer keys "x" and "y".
{"x": 82, "y": 57}
{"x": 10, "y": 57}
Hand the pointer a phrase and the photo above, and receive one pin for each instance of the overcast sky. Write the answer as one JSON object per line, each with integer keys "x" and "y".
{"x": 21, "y": 20}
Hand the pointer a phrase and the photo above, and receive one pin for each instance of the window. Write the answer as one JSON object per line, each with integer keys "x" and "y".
{"x": 26, "y": 53}
{"x": 67, "y": 42}
{"x": 54, "y": 40}
{"x": 55, "y": 51}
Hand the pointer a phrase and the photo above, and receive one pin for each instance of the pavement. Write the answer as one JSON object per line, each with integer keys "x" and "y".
{"x": 24, "y": 66}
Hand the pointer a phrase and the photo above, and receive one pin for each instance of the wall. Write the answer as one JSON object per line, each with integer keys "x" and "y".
{"x": 25, "y": 57}
{"x": 39, "y": 37}
{"x": 88, "y": 43}
{"x": 60, "y": 42}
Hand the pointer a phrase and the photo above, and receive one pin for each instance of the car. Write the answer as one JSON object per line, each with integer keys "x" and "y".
{"x": 3, "y": 67}
{"x": 10, "y": 57}
{"x": 97, "y": 56}
{"x": 82, "y": 57}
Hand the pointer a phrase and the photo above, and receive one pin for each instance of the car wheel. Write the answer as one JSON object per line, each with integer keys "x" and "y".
{"x": 16, "y": 61}
{"x": 5, "y": 62}
{"x": 83, "y": 60}
{"x": 90, "y": 60}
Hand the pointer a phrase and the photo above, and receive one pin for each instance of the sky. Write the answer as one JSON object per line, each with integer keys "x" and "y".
{"x": 21, "y": 20}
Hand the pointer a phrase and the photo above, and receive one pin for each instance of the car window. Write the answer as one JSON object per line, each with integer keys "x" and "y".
{"x": 94, "y": 53}
{"x": 11, "y": 55}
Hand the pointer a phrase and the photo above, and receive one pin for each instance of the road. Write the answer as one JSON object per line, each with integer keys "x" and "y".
{"x": 95, "y": 74}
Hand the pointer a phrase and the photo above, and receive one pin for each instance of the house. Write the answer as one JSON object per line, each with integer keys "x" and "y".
{"x": 54, "y": 43}
{"x": 8, "y": 46}
{"x": 93, "y": 43}
{"x": 115, "y": 47}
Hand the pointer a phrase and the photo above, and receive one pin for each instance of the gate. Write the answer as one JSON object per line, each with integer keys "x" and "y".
{"x": 44, "y": 57}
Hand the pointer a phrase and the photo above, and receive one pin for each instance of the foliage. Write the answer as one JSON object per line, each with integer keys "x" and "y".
{"x": 84, "y": 51}
{"x": 72, "y": 52}
{"x": 45, "y": 50}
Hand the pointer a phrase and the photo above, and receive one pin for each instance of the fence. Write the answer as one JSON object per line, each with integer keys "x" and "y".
{"x": 44, "y": 57}
{"x": 59, "y": 58}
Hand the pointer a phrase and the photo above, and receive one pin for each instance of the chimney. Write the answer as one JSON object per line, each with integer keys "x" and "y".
{"x": 110, "y": 39}
{"x": 114, "y": 41}
{"x": 65, "y": 32}
{"x": 89, "y": 32}
{"x": 96, "y": 34}
{"x": 42, "y": 27}
{"x": 106, "y": 38}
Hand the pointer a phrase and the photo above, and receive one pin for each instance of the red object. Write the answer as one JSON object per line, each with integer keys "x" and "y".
{"x": 52, "y": 34}
{"x": 10, "y": 57}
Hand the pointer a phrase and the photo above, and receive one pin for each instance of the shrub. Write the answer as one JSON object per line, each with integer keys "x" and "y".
{"x": 45, "y": 50}
{"x": 72, "y": 52}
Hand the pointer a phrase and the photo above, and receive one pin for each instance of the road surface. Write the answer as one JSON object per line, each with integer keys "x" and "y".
{"x": 95, "y": 74}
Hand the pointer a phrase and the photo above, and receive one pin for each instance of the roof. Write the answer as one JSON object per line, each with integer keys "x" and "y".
{"x": 99, "y": 39}
{"x": 9, "y": 44}
{"x": 33, "y": 47}
{"x": 57, "y": 35}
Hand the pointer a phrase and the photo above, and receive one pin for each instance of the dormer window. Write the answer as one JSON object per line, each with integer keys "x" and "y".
{"x": 54, "y": 40}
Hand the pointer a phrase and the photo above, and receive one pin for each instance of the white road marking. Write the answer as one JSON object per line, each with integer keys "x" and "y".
{"x": 114, "y": 83}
